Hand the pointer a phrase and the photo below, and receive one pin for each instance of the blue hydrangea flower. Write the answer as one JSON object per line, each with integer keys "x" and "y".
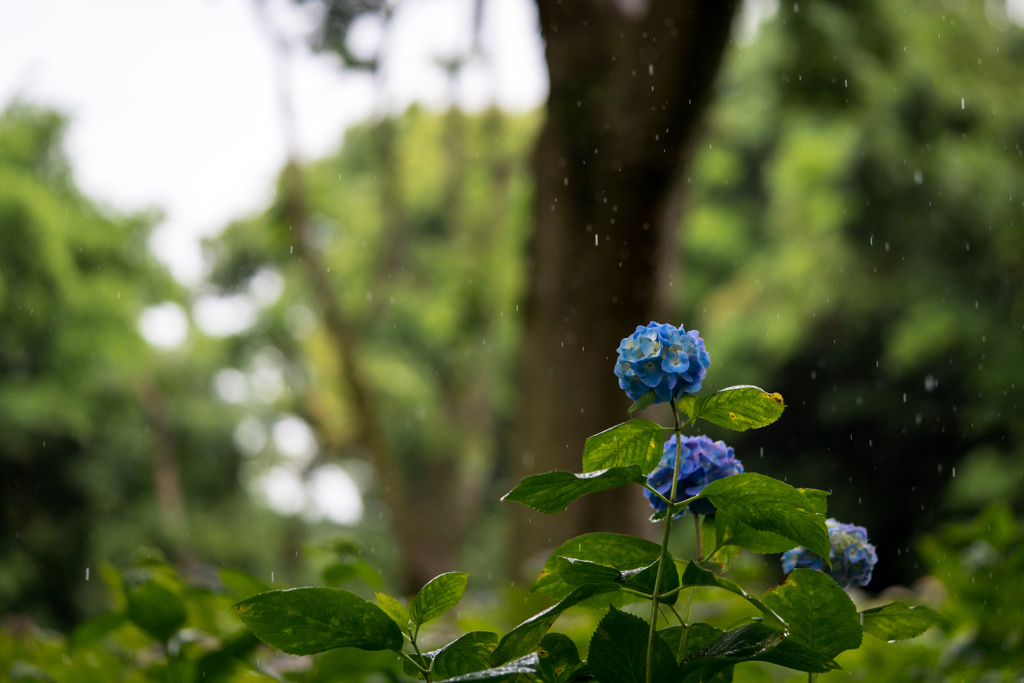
{"x": 664, "y": 358}
{"x": 702, "y": 461}
{"x": 853, "y": 558}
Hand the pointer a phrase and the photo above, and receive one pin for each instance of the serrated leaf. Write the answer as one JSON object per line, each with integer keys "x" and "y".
{"x": 644, "y": 401}
{"x": 768, "y": 504}
{"x": 526, "y": 636}
{"x": 737, "y": 408}
{"x": 305, "y": 621}
{"x": 394, "y": 609}
{"x": 820, "y": 614}
{"x": 438, "y": 596}
{"x": 465, "y": 655}
{"x": 637, "y": 442}
{"x": 897, "y": 621}
{"x": 698, "y": 576}
{"x": 559, "y": 658}
{"x": 618, "y": 651}
{"x": 524, "y": 665}
{"x": 753, "y": 642}
{"x": 618, "y": 550}
{"x": 553, "y": 491}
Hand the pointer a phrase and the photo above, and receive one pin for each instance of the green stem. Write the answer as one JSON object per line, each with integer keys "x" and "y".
{"x": 700, "y": 548}
{"x": 423, "y": 660}
{"x": 653, "y": 490}
{"x": 669, "y": 512}
{"x": 685, "y": 622}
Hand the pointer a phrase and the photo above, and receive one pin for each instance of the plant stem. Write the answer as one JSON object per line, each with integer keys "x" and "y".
{"x": 423, "y": 660}
{"x": 669, "y": 512}
{"x": 686, "y": 623}
{"x": 700, "y": 547}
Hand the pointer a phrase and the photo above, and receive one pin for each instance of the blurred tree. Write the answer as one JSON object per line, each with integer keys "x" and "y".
{"x": 629, "y": 84}
{"x": 854, "y": 241}
{"x": 411, "y": 261}
{"x": 107, "y": 443}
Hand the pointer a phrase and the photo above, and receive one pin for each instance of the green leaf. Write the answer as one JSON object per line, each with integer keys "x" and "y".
{"x": 818, "y": 500}
{"x": 618, "y": 651}
{"x": 897, "y": 621}
{"x": 768, "y": 504}
{"x": 793, "y": 654}
{"x": 742, "y": 644}
{"x": 437, "y": 597}
{"x": 393, "y": 609}
{"x": 94, "y": 629}
{"x": 820, "y": 614}
{"x": 465, "y": 655}
{"x": 637, "y": 442}
{"x": 698, "y": 634}
{"x": 553, "y": 491}
{"x": 621, "y": 551}
{"x": 737, "y": 408}
{"x": 755, "y": 642}
{"x": 525, "y": 637}
{"x": 576, "y": 572}
{"x": 243, "y": 585}
{"x": 722, "y": 555}
{"x": 349, "y": 568}
{"x": 305, "y": 621}
{"x": 529, "y": 664}
{"x": 643, "y": 579}
{"x": 559, "y": 658}
{"x": 154, "y": 602}
{"x": 729, "y": 531}
{"x": 644, "y": 401}
{"x": 697, "y": 576}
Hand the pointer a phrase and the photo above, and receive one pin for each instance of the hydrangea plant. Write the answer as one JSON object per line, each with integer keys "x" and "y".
{"x": 802, "y": 624}
{"x": 851, "y": 557}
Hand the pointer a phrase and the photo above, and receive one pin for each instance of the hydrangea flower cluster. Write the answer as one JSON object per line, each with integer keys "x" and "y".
{"x": 702, "y": 462}
{"x": 853, "y": 558}
{"x": 662, "y": 357}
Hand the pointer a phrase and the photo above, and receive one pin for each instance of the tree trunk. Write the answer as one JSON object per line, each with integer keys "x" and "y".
{"x": 629, "y": 81}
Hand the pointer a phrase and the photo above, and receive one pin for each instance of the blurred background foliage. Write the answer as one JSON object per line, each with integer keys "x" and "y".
{"x": 852, "y": 238}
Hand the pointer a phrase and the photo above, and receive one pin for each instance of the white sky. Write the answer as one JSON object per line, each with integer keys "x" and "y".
{"x": 173, "y": 103}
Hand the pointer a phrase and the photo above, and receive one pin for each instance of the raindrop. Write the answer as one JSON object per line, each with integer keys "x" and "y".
{"x": 86, "y": 573}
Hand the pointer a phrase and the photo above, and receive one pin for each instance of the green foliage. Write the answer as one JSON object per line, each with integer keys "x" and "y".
{"x": 552, "y": 491}
{"x": 897, "y": 621}
{"x": 466, "y": 654}
{"x": 818, "y": 612}
{"x": 637, "y": 442}
{"x": 304, "y": 621}
{"x": 735, "y": 408}
{"x": 612, "y": 550}
{"x": 770, "y": 505}
{"x": 619, "y": 651}
{"x": 527, "y": 635}
{"x": 437, "y": 597}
